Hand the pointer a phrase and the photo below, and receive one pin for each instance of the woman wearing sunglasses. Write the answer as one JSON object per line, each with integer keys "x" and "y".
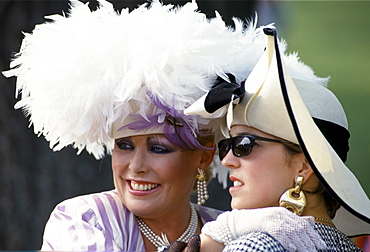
{"x": 287, "y": 144}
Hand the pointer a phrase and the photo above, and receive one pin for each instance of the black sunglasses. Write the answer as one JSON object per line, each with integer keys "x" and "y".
{"x": 240, "y": 145}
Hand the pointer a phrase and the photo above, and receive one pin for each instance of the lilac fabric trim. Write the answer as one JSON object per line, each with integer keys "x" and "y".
{"x": 50, "y": 245}
{"x": 114, "y": 209}
{"x": 61, "y": 208}
{"x": 88, "y": 216}
{"x": 105, "y": 219}
{"x": 134, "y": 237}
{"x": 182, "y": 136}
{"x": 90, "y": 233}
{"x": 207, "y": 214}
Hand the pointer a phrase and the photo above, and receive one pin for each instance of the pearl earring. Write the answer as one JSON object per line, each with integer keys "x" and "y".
{"x": 202, "y": 187}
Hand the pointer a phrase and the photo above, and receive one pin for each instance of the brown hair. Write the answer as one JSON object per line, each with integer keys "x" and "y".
{"x": 331, "y": 204}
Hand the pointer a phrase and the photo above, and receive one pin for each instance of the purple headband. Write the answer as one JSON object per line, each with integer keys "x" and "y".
{"x": 181, "y": 130}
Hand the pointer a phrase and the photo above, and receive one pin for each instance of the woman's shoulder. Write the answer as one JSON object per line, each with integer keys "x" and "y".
{"x": 94, "y": 207}
{"x": 254, "y": 241}
{"x": 96, "y": 197}
{"x": 207, "y": 213}
{"x": 108, "y": 223}
{"x": 335, "y": 239}
{"x": 88, "y": 201}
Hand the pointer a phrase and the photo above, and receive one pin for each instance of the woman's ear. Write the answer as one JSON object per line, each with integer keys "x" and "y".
{"x": 305, "y": 169}
{"x": 207, "y": 155}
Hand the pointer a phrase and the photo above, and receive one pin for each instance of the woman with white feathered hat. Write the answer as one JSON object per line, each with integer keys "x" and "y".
{"x": 119, "y": 82}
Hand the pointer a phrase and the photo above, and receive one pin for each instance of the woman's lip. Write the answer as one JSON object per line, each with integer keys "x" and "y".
{"x": 236, "y": 182}
{"x": 233, "y": 178}
{"x": 142, "y": 188}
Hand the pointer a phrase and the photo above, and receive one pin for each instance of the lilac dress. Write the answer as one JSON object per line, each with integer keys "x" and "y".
{"x": 98, "y": 222}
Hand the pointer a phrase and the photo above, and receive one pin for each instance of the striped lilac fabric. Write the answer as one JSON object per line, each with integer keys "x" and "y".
{"x": 98, "y": 222}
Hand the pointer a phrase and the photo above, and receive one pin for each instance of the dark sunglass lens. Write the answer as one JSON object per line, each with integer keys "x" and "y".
{"x": 223, "y": 148}
{"x": 242, "y": 146}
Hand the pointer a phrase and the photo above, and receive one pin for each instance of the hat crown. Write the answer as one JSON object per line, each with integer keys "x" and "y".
{"x": 321, "y": 103}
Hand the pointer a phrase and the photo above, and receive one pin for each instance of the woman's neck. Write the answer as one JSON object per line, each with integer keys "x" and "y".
{"x": 316, "y": 207}
{"x": 173, "y": 226}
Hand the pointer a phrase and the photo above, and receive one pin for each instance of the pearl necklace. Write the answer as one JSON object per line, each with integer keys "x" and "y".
{"x": 162, "y": 242}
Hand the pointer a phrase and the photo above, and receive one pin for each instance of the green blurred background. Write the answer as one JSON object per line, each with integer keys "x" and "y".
{"x": 333, "y": 38}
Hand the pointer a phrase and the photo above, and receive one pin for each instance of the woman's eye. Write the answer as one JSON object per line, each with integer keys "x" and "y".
{"x": 124, "y": 145}
{"x": 160, "y": 149}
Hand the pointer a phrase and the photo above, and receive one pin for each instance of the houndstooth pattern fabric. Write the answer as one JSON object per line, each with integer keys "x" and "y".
{"x": 256, "y": 242}
{"x": 335, "y": 240}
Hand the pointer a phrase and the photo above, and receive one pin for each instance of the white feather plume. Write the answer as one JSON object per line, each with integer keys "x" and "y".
{"x": 77, "y": 73}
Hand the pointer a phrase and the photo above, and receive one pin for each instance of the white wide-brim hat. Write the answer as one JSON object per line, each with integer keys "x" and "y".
{"x": 276, "y": 104}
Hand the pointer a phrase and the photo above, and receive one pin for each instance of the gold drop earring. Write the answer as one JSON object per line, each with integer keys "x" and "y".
{"x": 295, "y": 204}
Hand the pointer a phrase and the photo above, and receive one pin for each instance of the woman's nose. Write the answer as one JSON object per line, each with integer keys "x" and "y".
{"x": 230, "y": 161}
{"x": 138, "y": 161}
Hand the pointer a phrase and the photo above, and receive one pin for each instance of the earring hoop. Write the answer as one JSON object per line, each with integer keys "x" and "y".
{"x": 295, "y": 204}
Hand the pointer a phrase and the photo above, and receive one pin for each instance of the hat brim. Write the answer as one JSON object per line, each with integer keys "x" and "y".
{"x": 279, "y": 93}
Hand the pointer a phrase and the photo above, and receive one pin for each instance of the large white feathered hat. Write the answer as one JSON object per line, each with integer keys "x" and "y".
{"x": 93, "y": 76}
{"x": 300, "y": 110}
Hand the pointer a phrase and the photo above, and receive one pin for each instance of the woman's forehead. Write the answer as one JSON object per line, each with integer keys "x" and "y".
{"x": 237, "y": 130}
{"x": 241, "y": 130}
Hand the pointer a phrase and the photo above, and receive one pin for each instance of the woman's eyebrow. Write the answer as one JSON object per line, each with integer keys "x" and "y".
{"x": 123, "y": 138}
{"x": 154, "y": 138}
{"x": 242, "y": 134}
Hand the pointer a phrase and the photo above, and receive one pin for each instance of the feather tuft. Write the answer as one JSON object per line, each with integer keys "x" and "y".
{"x": 78, "y": 74}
